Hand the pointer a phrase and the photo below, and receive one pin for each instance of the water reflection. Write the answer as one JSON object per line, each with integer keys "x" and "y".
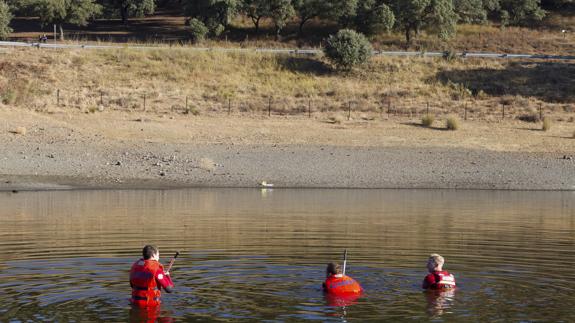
{"x": 149, "y": 315}
{"x": 439, "y": 302}
{"x": 66, "y": 255}
{"x": 342, "y": 300}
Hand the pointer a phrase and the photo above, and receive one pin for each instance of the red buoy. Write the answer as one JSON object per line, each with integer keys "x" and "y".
{"x": 341, "y": 285}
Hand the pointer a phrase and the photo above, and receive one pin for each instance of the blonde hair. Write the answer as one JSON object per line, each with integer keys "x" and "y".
{"x": 436, "y": 260}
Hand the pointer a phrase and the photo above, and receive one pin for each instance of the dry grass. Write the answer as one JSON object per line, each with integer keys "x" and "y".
{"x": 335, "y": 118}
{"x": 120, "y": 79}
{"x": 427, "y": 121}
{"x": 452, "y": 123}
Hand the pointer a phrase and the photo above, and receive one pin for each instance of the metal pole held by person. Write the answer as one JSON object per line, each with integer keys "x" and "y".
{"x": 172, "y": 262}
{"x": 344, "y": 261}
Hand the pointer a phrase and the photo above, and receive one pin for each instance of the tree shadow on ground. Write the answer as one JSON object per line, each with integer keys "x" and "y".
{"x": 550, "y": 82}
{"x": 304, "y": 65}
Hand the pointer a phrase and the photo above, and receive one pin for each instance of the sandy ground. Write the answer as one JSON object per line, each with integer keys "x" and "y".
{"x": 135, "y": 150}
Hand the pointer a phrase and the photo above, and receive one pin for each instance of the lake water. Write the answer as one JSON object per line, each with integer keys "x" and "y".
{"x": 261, "y": 255}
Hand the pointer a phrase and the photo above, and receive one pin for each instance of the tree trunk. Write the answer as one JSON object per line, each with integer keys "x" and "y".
{"x": 124, "y": 15}
{"x": 256, "y": 22}
{"x": 278, "y": 33}
{"x": 61, "y": 31}
{"x": 301, "y": 23}
{"x": 408, "y": 36}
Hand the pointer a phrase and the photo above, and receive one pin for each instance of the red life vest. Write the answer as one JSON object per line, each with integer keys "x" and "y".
{"x": 145, "y": 290}
{"x": 341, "y": 285}
{"x": 443, "y": 280}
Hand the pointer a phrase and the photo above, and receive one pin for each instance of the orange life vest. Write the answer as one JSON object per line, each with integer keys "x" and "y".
{"x": 145, "y": 290}
{"x": 341, "y": 285}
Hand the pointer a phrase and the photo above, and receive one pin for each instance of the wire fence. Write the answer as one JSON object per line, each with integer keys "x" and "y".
{"x": 369, "y": 108}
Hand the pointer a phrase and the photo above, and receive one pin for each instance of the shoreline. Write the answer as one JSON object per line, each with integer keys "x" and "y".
{"x": 57, "y": 186}
{"x": 305, "y": 167}
{"x": 112, "y": 151}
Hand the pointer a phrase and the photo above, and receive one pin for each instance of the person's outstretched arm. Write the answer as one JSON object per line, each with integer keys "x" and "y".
{"x": 165, "y": 281}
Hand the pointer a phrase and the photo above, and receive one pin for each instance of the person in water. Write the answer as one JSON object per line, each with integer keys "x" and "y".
{"x": 147, "y": 278}
{"x": 437, "y": 279}
{"x": 338, "y": 284}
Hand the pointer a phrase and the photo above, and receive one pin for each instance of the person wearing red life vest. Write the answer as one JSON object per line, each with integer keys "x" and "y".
{"x": 437, "y": 279}
{"x": 147, "y": 278}
{"x": 338, "y": 284}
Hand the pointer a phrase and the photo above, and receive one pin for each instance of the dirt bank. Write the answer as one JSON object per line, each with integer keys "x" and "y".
{"x": 124, "y": 150}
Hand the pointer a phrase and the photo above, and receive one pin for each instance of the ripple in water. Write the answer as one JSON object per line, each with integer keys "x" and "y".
{"x": 248, "y": 256}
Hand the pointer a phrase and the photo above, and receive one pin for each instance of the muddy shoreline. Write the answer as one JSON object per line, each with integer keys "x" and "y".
{"x": 182, "y": 166}
{"x": 112, "y": 151}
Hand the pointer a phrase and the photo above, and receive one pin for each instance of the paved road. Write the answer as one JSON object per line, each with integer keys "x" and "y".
{"x": 297, "y": 51}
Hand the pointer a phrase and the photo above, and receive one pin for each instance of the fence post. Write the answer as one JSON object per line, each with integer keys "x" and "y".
{"x": 465, "y": 109}
{"x": 309, "y": 108}
{"x": 101, "y": 97}
{"x": 349, "y": 111}
{"x": 427, "y": 110}
{"x": 187, "y": 111}
{"x": 144, "y": 101}
{"x": 229, "y": 106}
{"x": 503, "y": 110}
{"x": 270, "y": 107}
{"x": 388, "y": 107}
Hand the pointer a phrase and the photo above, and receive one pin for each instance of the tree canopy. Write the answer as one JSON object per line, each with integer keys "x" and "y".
{"x": 59, "y": 12}
{"x": 413, "y": 16}
{"x": 215, "y": 14}
{"x": 369, "y": 17}
{"x": 373, "y": 17}
{"x": 128, "y": 8}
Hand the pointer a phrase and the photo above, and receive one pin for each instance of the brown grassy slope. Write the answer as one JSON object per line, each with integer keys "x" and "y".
{"x": 120, "y": 79}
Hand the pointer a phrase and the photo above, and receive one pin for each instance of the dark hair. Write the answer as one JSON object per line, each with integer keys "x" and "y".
{"x": 149, "y": 251}
{"x": 333, "y": 269}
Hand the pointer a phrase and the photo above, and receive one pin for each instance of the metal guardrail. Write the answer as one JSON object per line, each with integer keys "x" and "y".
{"x": 298, "y": 51}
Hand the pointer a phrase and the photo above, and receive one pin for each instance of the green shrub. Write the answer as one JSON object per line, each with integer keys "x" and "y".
{"x": 452, "y": 123}
{"x": 347, "y": 49}
{"x": 192, "y": 110}
{"x": 8, "y": 97}
{"x": 427, "y": 121}
{"x": 217, "y": 30}
{"x": 546, "y": 124}
{"x": 198, "y": 31}
{"x": 5, "y": 17}
{"x": 481, "y": 95}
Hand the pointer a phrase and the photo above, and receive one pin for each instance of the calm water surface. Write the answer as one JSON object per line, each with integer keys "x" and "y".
{"x": 260, "y": 255}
